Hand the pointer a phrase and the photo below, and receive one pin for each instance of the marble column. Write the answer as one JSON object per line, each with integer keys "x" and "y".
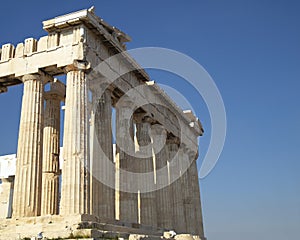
{"x": 128, "y": 201}
{"x": 186, "y": 181}
{"x": 195, "y": 193}
{"x": 51, "y": 148}
{"x": 102, "y": 200}
{"x": 176, "y": 186}
{"x": 148, "y": 214}
{"x": 28, "y": 180}
{"x": 163, "y": 194}
{"x": 75, "y": 193}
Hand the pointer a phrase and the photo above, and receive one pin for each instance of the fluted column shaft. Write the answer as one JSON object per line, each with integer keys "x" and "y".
{"x": 148, "y": 214}
{"x": 103, "y": 204}
{"x": 128, "y": 203}
{"x": 164, "y": 198}
{"x": 195, "y": 194}
{"x": 176, "y": 186}
{"x": 27, "y": 192}
{"x": 75, "y": 176}
{"x": 51, "y": 150}
{"x": 190, "y": 181}
{"x": 186, "y": 181}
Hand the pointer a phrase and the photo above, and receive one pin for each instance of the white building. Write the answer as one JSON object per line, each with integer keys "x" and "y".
{"x": 7, "y": 175}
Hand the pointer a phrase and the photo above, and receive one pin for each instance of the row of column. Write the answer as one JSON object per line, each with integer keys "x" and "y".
{"x": 36, "y": 189}
{"x": 176, "y": 206}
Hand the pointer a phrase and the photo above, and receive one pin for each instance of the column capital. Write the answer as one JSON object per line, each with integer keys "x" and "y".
{"x": 98, "y": 89}
{"x": 29, "y": 77}
{"x": 125, "y": 102}
{"x": 144, "y": 118}
{"x": 38, "y": 76}
{"x": 158, "y": 130}
{"x": 78, "y": 66}
{"x": 57, "y": 91}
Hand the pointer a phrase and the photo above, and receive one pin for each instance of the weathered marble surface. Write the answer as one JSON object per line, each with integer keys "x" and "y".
{"x": 75, "y": 46}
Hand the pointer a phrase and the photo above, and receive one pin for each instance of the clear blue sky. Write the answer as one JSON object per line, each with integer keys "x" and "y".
{"x": 252, "y": 51}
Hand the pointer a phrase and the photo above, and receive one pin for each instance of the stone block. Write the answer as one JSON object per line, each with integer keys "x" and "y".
{"x": 184, "y": 237}
{"x": 30, "y": 46}
{"x": 19, "y": 50}
{"x": 53, "y": 40}
{"x": 7, "y": 52}
{"x": 42, "y": 44}
{"x": 169, "y": 234}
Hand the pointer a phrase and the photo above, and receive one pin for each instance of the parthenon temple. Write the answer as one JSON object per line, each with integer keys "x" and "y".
{"x": 127, "y": 166}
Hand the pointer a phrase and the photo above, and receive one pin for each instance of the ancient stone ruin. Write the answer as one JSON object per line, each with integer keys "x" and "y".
{"x": 140, "y": 184}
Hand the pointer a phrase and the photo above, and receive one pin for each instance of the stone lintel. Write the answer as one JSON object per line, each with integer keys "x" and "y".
{"x": 161, "y": 107}
{"x": 51, "y": 61}
{"x": 183, "y": 117}
{"x": 113, "y": 36}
